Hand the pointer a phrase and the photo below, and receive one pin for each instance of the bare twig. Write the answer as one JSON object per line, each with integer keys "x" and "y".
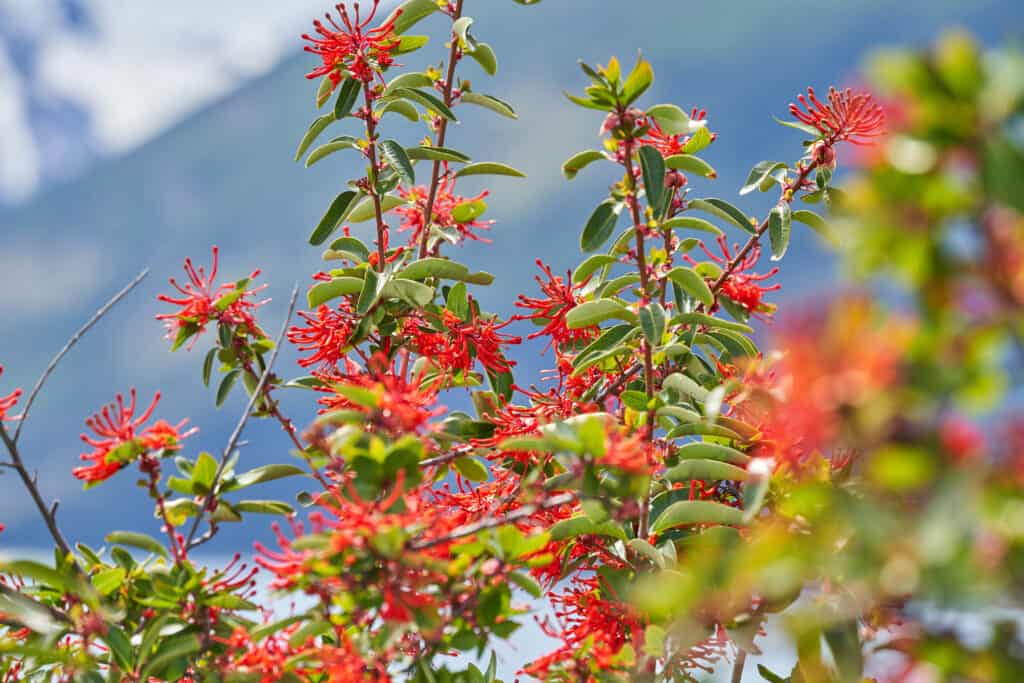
{"x": 49, "y": 514}
{"x": 493, "y": 522}
{"x": 257, "y": 394}
{"x": 71, "y": 342}
{"x": 737, "y": 667}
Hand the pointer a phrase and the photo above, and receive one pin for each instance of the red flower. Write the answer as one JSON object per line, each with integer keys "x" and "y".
{"x": 560, "y": 298}
{"x": 351, "y": 49}
{"x": 202, "y": 302}
{"x": 327, "y": 332}
{"x": 632, "y": 453}
{"x": 848, "y": 116}
{"x": 480, "y": 337}
{"x": 7, "y": 402}
{"x": 670, "y": 144}
{"x": 404, "y": 404}
{"x": 445, "y": 201}
{"x": 743, "y": 286}
{"x": 119, "y": 440}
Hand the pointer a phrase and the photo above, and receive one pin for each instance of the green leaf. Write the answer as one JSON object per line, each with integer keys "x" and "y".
{"x": 323, "y": 91}
{"x": 336, "y": 213}
{"x": 701, "y": 450}
{"x": 761, "y": 176}
{"x": 490, "y": 102}
{"x": 705, "y": 470}
{"x": 724, "y": 210}
{"x": 204, "y": 471}
{"x": 583, "y": 525}
{"x": 652, "y": 165}
{"x": 414, "y": 293}
{"x": 225, "y": 387}
{"x": 119, "y": 644}
{"x": 264, "y": 507}
{"x": 347, "y": 94}
{"x": 527, "y": 583}
{"x": 780, "y": 225}
{"x": 489, "y": 168}
{"x": 691, "y": 164}
{"x": 338, "y": 143}
{"x": 443, "y": 268}
{"x": 693, "y": 284}
{"x": 692, "y": 223}
{"x": 484, "y": 55}
{"x": 688, "y": 512}
{"x": 400, "y": 107}
{"x": 339, "y": 286}
{"x": 652, "y": 322}
{"x": 671, "y": 119}
{"x": 578, "y": 162}
{"x": 407, "y": 44}
{"x": 594, "y": 312}
{"x": 700, "y": 139}
{"x": 134, "y": 539}
{"x": 683, "y": 385}
{"x": 264, "y": 473}
{"x": 426, "y": 100}
{"x": 468, "y": 211}
{"x": 412, "y": 79}
{"x": 398, "y": 160}
{"x": 599, "y": 226}
{"x": 106, "y": 581}
{"x": 710, "y": 321}
{"x": 471, "y": 469}
{"x": 638, "y": 81}
{"x": 590, "y": 265}
{"x": 436, "y": 154}
{"x": 208, "y": 365}
{"x": 313, "y": 132}
{"x": 365, "y": 211}
{"x": 36, "y": 571}
{"x": 410, "y": 12}
{"x": 369, "y": 293}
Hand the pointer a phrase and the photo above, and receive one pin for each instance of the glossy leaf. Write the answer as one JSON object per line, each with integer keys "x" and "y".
{"x": 690, "y": 512}
{"x": 489, "y": 168}
{"x": 599, "y": 226}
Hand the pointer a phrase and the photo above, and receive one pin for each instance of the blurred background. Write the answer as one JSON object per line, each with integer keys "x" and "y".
{"x": 133, "y": 134}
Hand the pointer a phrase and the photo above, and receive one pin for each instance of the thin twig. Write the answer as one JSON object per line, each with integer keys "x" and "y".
{"x": 71, "y": 342}
{"x": 49, "y": 514}
{"x": 442, "y": 131}
{"x": 233, "y": 440}
{"x": 493, "y": 522}
{"x": 737, "y": 667}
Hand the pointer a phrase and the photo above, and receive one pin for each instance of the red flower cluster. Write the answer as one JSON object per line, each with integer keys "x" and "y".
{"x": 7, "y": 402}
{"x": 445, "y": 202}
{"x": 120, "y": 441}
{"x": 455, "y": 348}
{"x": 352, "y": 49}
{"x": 561, "y": 296}
{"x": 402, "y": 403}
{"x": 743, "y": 286}
{"x": 593, "y": 631}
{"x": 326, "y": 334}
{"x": 849, "y": 116}
{"x": 277, "y": 655}
{"x": 202, "y": 301}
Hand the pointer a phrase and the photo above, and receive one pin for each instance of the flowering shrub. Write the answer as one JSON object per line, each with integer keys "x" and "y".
{"x": 668, "y": 489}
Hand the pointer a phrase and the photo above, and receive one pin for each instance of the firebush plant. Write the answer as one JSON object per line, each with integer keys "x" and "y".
{"x": 661, "y": 498}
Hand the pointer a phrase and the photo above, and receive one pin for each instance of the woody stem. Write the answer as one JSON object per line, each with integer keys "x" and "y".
{"x": 371, "y": 153}
{"x": 442, "y": 130}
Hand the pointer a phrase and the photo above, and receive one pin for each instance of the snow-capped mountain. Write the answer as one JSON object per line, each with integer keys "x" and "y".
{"x": 84, "y": 79}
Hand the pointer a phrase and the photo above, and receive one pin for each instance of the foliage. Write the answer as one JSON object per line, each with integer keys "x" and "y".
{"x": 667, "y": 487}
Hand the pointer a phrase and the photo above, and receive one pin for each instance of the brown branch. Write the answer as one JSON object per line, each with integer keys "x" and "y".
{"x": 442, "y": 130}
{"x": 103, "y": 310}
{"x": 737, "y": 667}
{"x": 371, "y": 153}
{"x": 787, "y": 196}
{"x": 49, "y": 514}
{"x": 233, "y": 440}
